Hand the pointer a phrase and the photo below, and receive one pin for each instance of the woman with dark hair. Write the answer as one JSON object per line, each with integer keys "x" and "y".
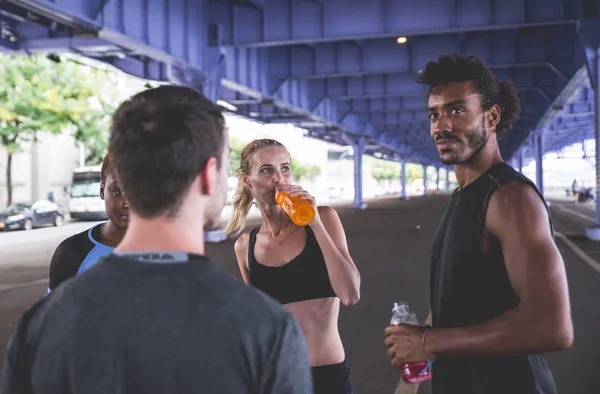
{"x": 81, "y": 251}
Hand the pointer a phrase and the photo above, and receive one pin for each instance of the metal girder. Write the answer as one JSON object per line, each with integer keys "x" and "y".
{"x": 76, "y": 26}
{"x": 571, "y": 122}
{"x": 554, "y": 145}
{"x": 370, "y": 87}
{"x": 290, "y": 22}
{"x": 340, "y": 68}
{"x": 404, "y": 108}
{"x": 174, "y": 31}
{"x": 75, "y": 14}
{"x": 561, "y": 140}
{"x": 95, "y": 46}
{"x": 301, "y": 95}
{"x": 560, "y": 143}
{"x": 505, "y": 52}
{"x": 247, "y": 73}
{"x": 569, "y": 128}
{"x": 255, "y": 4}
{"x": 574, "y": 103}
{"x": 292, "y": 96}
{"x": 130, "y": 34}
{"x": 405, "y": 136}
{"x": 399, "y": 86}
{"x": 21, "y": 21}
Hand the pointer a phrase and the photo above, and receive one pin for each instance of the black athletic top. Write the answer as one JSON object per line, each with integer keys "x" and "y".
{"x": 303, "y": 278}
{"x": 468, "y": 287}
{"x": 76, "y": 254}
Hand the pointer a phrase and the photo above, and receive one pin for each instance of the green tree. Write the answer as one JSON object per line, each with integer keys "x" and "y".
{"x": 414, "y": 171}
{"x": 236, "y": 145}
{"x": 41, "y": 96}
{"x": 385, "y": 170}
{"x": 92, "y": 129}
{"x": 110, "y": 88}
{"x": 36, "y": 96}
{"x": 302, "y": 171}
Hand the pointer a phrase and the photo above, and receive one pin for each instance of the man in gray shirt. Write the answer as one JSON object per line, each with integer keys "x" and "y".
{"x": 157, "y": 315}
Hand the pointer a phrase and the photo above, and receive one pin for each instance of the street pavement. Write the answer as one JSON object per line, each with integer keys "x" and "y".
{"x": 390, "y": 244}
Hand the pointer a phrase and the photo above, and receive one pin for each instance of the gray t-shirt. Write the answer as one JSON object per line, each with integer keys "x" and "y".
{"x": 131, "y": 326}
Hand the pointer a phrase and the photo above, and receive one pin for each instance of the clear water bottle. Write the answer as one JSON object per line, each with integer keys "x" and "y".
{"x": 414, "y": 372}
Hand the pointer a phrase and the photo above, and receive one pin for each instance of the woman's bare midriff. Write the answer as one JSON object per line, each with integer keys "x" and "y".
{"x": 319, "y": 322}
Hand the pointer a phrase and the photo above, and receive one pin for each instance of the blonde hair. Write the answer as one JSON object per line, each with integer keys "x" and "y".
{"x": 242, "y": 199}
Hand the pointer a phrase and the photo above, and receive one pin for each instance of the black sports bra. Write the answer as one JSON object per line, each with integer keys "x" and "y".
{"x": 303, "y": 278}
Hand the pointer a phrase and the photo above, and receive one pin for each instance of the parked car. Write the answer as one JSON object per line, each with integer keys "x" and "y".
{"x": 22, "y": 216}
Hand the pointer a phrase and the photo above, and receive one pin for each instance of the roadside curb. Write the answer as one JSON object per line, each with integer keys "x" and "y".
{"x": 19, "y": 285}
{"x": 579, "y": 252}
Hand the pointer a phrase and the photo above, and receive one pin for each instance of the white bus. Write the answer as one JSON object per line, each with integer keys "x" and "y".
{"x": 85, "y": 202}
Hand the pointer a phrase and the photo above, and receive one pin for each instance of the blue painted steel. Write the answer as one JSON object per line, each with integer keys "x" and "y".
{"x": 520, "y": 161}
{"x": 287, "y": 22}
{"x": 425, "y": 184}
{"x": 333, "y": 67}
{"x": 596, "y": 84}
{"x": 403, "y": 179}
{"x": 539, "y": 165}
{"x": 589, "y": 29}
{"x": 359, "y": 149}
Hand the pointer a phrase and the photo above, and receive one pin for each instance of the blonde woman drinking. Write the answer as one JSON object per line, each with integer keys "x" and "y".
{"x": 308, "y": 269}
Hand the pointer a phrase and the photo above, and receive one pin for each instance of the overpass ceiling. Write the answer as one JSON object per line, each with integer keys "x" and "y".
{"x": 333, "y": 67}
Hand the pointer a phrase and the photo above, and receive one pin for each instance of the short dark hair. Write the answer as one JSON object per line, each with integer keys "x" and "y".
{"x": 104, "y": 170}
{"x": 454, "y": 67}
{"x": 160, "y": 141}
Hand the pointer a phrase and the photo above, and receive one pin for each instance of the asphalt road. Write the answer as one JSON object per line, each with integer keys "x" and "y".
{"x": 393, "y": 258}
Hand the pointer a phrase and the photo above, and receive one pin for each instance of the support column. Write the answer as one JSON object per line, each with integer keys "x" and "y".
{"x": 359, "y": 149}
{"x": 213, "y": 85}
{"x": 425, "y": 179}
{"x": 403, "y": 180}
{"x": 593, "y": 233}
{"x": 589, "y": 29}
{"x": 35, "y": 169}
{"x": 539, "y": 167}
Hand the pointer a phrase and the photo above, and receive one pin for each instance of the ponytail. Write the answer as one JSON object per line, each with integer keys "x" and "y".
{"x": 242, "y": 202}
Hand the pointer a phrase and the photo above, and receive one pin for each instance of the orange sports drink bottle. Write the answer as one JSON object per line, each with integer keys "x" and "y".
{"x": 297, "y": 208}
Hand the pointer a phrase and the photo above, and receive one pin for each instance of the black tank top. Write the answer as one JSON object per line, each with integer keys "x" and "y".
{"x": 468, "y": 287}
{"x": 303, "y": 278}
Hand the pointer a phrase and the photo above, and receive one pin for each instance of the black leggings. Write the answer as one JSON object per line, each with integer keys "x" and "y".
{"x": 332, "y": 379}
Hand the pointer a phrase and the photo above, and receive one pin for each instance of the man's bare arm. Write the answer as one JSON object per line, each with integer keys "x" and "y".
{"x": 541, "y": 321}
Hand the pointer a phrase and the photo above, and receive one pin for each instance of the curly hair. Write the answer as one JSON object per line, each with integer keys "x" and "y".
{"x": 454, "y": 67}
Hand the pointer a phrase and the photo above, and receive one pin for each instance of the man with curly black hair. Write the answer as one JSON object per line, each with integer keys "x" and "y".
{"x": 499, "y": 296}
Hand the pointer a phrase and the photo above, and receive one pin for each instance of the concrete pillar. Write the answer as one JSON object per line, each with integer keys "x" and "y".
{"x": 359, "y": 149}
{"x": 403, "y": 180}
{"x": 539, "y": 166}
{"x": 425, "y": 180}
